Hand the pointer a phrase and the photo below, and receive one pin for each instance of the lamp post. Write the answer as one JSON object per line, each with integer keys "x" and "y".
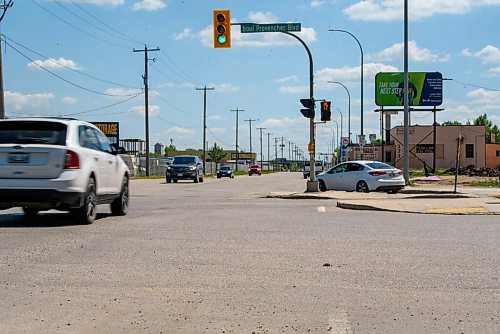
{"x": 361, "y": 49}
{"x": 349, "y": 110}
{"x": 340, "y": 112}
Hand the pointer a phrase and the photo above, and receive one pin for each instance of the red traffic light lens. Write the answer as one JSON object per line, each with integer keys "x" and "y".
{"x": 221, "y": 18}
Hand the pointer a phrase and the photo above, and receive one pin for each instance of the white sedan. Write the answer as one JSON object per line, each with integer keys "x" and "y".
{"x": 362, "y": 176}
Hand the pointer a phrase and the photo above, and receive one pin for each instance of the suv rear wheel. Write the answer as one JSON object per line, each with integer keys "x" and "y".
{"x": 119, "y": 207}
{"x": 87, "y": 213}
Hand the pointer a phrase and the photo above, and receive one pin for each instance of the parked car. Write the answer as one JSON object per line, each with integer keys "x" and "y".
{"x": 362, "y": 176}
{"x": 318, "y": 168}
{"x": 185, "y": 167}
{"x": 63, "y": 164}
{"x": 254, "y": 169}
{"x": 225, "y": 171}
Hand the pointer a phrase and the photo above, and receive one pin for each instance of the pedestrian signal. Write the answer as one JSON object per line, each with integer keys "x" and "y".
{"x": 326, "y": 114}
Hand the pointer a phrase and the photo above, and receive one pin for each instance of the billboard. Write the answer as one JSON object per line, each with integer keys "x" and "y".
{"x": 424, "y": 89}
{"x": 111, "y": 130}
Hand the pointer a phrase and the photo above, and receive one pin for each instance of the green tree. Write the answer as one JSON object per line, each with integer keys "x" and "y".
{"x": 170, "y": 149}
{"x": 216, "y": 154}
{"x": 452, "y": 123}
{"x": 489, "y": 127}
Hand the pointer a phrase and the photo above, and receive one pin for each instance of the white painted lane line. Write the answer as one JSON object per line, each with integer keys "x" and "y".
{"x": 339, "y": 323}
{"x": 321, "y": 209}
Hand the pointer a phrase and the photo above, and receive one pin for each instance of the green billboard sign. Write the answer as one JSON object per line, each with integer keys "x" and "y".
{"x": 424, "y": 89}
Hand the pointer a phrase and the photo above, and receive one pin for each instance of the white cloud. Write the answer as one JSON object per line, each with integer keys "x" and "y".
{"x": 348, "y": 74}
{"x": 226, "y": 88}
{"x": 69, "y": 100}
{"x": 389, "y": 10}
{"x": 275, "y": 123}
{"x": 19, "y": 101}
{"x": 489, "y": 54}
{"x": 111, "y": 3}
{"x": 293, "y": 78}
{"x": 484, "y": 96}
{"x": 294, "y": 89}
{"x": 52, "y": 64}
{"x": 259, "y": 39}
{"x": 149, "y": 5}
{"x": 181, "y": 132}
{"x": 317, "y": 3}
{"x": 120, "y": 92}
{"x": 261, "y": 17}
{"x": 415, "y": 53}
{"x": 185, "y": 34}
{"x": 494, "y": 71}
{"x": 153, "y": 110}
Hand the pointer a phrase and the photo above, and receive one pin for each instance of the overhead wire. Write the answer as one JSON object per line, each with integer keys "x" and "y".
{"x": 69, "y": 68}
{"x": 60, "y": 77}
{"x": 76, "y": 27}
{"x": 130, "y": 39}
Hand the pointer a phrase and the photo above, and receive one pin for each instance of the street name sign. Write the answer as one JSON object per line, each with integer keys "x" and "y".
{"x": 269, "y": 27}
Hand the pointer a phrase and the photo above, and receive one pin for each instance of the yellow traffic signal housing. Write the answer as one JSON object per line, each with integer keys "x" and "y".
{"x": 222, "y": 28}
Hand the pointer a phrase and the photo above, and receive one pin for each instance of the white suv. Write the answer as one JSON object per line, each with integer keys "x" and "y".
{"x": 63, "y": 164}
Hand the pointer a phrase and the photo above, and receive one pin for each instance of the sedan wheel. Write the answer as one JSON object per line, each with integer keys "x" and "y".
{"x": 362, "y": 187}
{"x": 322, "y": 185}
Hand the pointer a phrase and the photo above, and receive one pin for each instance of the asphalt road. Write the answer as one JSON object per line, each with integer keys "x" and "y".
{"x": 219, "y": 257}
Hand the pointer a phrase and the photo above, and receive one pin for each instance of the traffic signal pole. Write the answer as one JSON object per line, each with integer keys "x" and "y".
{"x": 312, "y": 184}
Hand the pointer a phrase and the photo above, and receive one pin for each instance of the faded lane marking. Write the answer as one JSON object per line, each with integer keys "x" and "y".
{"x": 321, "y": 209}
{"x": 456, "y": 210}
{"x": 339, "y": 324}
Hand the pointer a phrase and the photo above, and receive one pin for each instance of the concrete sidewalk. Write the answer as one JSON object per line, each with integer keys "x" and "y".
{"x": 434, "y": 200}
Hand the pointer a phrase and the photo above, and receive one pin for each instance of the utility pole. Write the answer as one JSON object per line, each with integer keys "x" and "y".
{"x": 268, "y": 151}
{"x": 204, "y": 89}
{"x": 250, "y": 126}
{"x": 237, "y": 153}
{"x": 276, "y": 153}
{"x": 4, "y": 8}
{"x": 282, "y": 146}
{"x": 260, "y": 129}
{"x": 146, "y": 99}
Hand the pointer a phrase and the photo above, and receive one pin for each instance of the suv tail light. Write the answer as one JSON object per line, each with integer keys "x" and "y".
{"x": 377, "y": 173}
{"x": 72, "y": 160}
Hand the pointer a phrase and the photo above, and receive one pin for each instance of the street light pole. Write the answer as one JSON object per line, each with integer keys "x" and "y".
{"x": 349, "y": 109}
{"x": 260, "y": 129}
{"x": 237, "y": 154}
{"x": 361, "y": 49}
{"x": 250, "y": 125}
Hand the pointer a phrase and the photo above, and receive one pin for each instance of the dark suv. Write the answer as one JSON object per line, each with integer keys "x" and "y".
{"x": 185, "y": 167}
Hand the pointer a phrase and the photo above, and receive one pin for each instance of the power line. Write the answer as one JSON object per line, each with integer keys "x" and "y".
{"x": 77, "y": 28}
{"x": 58, "y": 76}
{"x": 130, "y": 39}
{"x": 104, "y": 107}
{"x": 67, "y": 67}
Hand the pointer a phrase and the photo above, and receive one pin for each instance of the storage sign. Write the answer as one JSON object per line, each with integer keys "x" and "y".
{"x": 111, "y": 130}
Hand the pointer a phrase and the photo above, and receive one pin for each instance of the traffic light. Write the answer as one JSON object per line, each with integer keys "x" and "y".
{"x": 309, "y": 111}
{"x": 222, "y": 28}
{"x": 326, "y": 114}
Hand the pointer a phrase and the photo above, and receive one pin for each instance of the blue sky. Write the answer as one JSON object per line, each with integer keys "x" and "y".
{"x": 75, "y": 58}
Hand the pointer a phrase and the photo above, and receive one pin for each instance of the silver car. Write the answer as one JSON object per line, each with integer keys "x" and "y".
{"x": 63, "y": 164}
{"x": 362, "y": 176}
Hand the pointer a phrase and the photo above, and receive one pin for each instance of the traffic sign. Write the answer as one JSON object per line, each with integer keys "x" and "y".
{"x": 269, "y": 27}
{"x": 345, "y": 141}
